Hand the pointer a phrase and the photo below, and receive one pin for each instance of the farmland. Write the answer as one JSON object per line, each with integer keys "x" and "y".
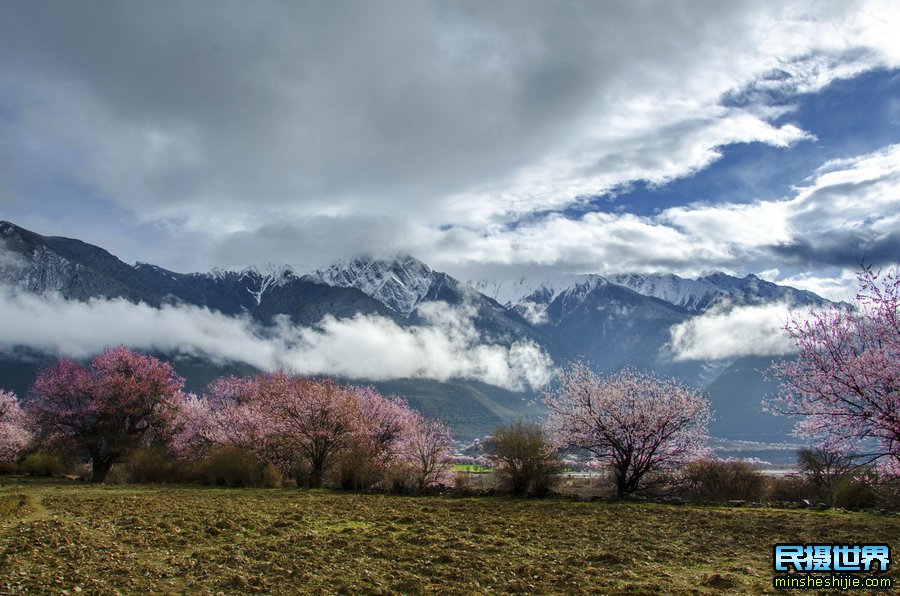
{"x": 57, "y": 536}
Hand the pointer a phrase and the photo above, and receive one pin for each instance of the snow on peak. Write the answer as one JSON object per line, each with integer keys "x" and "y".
{"x": 531, "y": 297}
{"x": 216, "y": 273}
{"x": 511, "y": 293}
{"x": 256, "y": 279}
{"x": 699, "y": 294}
{"x": 275, "y": 271}
{"x": 267, "y": 276}
{"x": 399, "y": 283}
{"x": 533, "y": 304}
{"x": 692, "y": 294}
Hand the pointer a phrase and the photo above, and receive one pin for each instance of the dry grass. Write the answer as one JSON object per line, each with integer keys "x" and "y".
{"x": 72, "y": 537}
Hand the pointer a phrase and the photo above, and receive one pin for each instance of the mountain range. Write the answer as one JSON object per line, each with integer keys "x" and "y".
{"x": 607, "y": 321}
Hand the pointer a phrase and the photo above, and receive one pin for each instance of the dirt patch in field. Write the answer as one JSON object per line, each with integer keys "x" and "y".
{"x": 191, "y": 539}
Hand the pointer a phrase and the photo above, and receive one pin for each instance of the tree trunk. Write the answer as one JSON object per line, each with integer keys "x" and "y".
{"x": 315, "y": 476}
{"x": 100, "y": 467}
{"x": 621, "y": 473}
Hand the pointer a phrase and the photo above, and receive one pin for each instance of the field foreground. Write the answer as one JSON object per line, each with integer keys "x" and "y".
{"x": 71, "y": 537}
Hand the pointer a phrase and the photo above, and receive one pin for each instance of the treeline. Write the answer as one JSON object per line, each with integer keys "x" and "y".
{"x": 525, "y": 462}
{"x": 272, "y": 428}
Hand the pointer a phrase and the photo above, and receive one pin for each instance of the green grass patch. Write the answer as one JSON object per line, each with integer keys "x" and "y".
{"x": 471, "y": 469}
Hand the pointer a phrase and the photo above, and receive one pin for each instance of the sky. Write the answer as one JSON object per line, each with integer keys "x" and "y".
{"x": 490, "y": 140}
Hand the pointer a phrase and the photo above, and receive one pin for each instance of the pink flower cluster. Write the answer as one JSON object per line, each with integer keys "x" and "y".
{"x": 14, "y": 434}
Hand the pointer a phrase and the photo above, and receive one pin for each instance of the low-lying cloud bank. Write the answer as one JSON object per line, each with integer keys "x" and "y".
{"x": 729, "y": 331}
{"x": 368, "y": 347}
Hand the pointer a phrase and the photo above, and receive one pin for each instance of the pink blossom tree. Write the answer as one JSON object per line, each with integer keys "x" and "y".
{"x": 192, "y": 436}
{"x": 636, "y": 423}
{"x": 375, "y": 446}
{"x": 121, "y": 401}
{"x": 425, "y": 451}
{"x": 316, "y": 419}
{"x": 240, "y": 412}
{"x": 384, "y": 419}
{"x": 845, "y": 380}
{"x": 302, "y": 426}
{"x": 14, "y": 434}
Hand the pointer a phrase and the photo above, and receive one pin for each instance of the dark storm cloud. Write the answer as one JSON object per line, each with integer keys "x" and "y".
{"x": 337, "y": 101}
{"x": 308, "y": 101}
{"x": 841, "y": 248}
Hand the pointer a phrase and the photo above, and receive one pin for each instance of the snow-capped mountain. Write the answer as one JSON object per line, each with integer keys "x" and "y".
{"x": 530, "y": 298}
{"x": 400, "y": 283}
{"x": 511, "y": 293}
{"x": 404, "y": 283}
{"x": 262, "y": 279}
{"x": 74, "y": 269}
{"x": 696, "y": 295}
{"x": 534, "y": 305}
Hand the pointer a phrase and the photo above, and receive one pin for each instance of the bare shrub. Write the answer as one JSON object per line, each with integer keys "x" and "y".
{"x": 713, "y": 480}
{"x": 234, "y": 466}
{"x": 524, "y": 460}
{"x": 42, "y": 463}
{"x": 400, "y": 478}
{"x": 148, "y": 464}
{"x": 357, "y": 467}
{"x": 788, "y": 489}
{"x": 825, "y": 469}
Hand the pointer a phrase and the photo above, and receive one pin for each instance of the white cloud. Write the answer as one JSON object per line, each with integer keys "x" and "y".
{"x": 753, "y": 225}
{"x": 10, "y": 259}
{"x": 369, "y": 347}
{"x": 841, "y": 287}
{"x": 728, "y": 331}
{"x": 848, "y": 211}
{"x": 536, "y": 314}
{"x": 862, "y": 189}
{"x": 447, "y": 347}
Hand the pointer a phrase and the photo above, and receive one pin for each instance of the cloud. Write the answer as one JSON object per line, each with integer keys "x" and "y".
{"x": 847, "y": 211}
{"x": 840, "y": 286}
{"x": 448, "y": 346}
{"x": 220, "y": 125}
{"x": 728, "y": 331}
{"x": 10, "y": 259}
{"x": 369, "y": 347}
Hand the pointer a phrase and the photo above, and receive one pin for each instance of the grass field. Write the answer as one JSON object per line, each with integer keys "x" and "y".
{"x": 471, "y": 469}
{"x": 75, "y": 538}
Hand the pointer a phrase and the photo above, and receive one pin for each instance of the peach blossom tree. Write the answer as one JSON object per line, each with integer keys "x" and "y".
{"x": 304, "y": 425}
{"x": 845, "y": 380}
{"x": 634, "y": 422}
{"x": 102, "y": 412}
{"x": 14, "y": 433}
